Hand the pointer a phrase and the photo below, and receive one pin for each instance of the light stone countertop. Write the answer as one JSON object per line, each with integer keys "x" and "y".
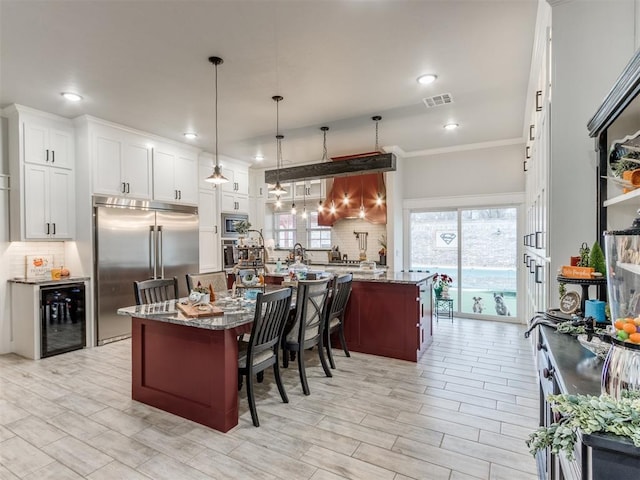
{"x": 48, "y": 281}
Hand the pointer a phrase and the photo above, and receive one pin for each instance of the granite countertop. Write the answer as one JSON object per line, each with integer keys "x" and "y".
{"x": 49, "y": 281}
{"x": 379, "y": 276}
{"x": 236, "y": 312}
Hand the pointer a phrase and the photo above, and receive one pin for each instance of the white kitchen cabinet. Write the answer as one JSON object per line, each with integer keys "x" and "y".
{"x": 42, "y": 191}
{"x": 48, "y": 193}
{"x": 46, "y": 142}
{"x": 210, "y": 245}
{"x": 234, "y": 195}
{"x": 122, "y": 163}
{"x": 175, "y": 174}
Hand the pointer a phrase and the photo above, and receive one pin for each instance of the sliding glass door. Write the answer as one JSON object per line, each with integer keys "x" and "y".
{"x": 477, "y": 248}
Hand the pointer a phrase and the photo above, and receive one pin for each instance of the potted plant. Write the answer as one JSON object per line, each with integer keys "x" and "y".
{"x": 242, "y": 227}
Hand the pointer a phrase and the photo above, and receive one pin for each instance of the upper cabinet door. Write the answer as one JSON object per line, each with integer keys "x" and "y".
{"x": 163, "y": 174}
{"x": 107, "y": 165}
{"x": 241, "y": 180}
{"x": 136, "y": 167}
{"x": 46, "y": 144}
{"x": 186, "y": 177}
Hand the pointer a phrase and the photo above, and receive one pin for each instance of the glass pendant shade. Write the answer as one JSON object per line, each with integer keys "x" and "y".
{"x": 278, "y": 190}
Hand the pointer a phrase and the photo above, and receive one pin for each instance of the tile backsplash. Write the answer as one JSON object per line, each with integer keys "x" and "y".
{"x": 342, "y": 235}
{"x": 18, "y": 250}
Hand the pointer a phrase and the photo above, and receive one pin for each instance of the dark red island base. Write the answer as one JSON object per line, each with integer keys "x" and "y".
{"x": 188, "y": 371}
{"x": 391, "y": 318}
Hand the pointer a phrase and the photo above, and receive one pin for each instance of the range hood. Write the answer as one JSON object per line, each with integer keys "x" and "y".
{"x": 366, "y": 190}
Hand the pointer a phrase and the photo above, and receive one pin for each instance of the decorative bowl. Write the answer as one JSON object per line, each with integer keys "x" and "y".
{"x": 249, "y": 279}
{"x": 596, "y": 346}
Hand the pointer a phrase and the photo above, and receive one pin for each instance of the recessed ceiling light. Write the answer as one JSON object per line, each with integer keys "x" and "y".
{"x": 259, "y": 158}
{"x": 427, "y": 79}
{"x": 190, "y": 135}
{"x": 451, "y": 126}
{"x": 72, "y": 97}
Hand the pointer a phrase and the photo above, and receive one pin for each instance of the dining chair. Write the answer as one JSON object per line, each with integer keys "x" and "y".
{"x": 339, "y": 297}
{"x": 156, "y": 290}
{"x": 217, "y": 280}
{"x": 307, "y": 328}
{"x": 261, "y": 350}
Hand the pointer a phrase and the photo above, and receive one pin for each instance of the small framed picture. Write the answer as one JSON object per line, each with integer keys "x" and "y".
{"x": 570, "y": 302}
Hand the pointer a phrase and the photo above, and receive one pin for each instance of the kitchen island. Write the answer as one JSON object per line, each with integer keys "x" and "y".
{"x": 390, "y": 314}
{"x": 188, "y": 366}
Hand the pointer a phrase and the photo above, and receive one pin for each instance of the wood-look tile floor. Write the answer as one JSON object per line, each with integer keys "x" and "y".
{"x": 463, "y": 412}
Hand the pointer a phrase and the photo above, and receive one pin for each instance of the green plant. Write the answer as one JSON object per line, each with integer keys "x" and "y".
{"x": 242, "y": 226}
{"x": 562, "y": 289}
{"x": 589, "y": 414}
{"x": 596, "y": 259}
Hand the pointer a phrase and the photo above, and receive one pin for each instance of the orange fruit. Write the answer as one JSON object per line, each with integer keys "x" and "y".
{"x": 629, "y": 328}
{"x": 619, "y": 324}
{"x": 628, "y": 320}
{"x": 635, "y": 337}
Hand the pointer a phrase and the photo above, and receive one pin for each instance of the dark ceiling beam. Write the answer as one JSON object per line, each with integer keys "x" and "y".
{"x": 384, "y": 162}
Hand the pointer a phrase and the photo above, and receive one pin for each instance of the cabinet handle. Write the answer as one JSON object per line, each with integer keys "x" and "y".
{"x": 124, "y": 187}
{"x": 541, "y": 346}
{"x": 54, "y": 228}
{"x": 53, "y": 156}
{"x": 538, "y": 239}
{"x": 180, "y": 193}
{"x": 526, "y": 258}
{"x": 260, "y": 190}
{"x": 215, "y": 229}
{"x": 538, "y": 277}
{"x": 548, "y": 373}
{"x": 524, "y": 166}
{"x": 531, "y": 132}
{"x": 47, "y": 159}
{"x": 48, "y": 228}
{"x": 538, "y": 100}
{"x": 525, "y": 240}
{"x": 527, "y": 152}
{"x": 128, "y": 187}
{"x": 532, "y": 265}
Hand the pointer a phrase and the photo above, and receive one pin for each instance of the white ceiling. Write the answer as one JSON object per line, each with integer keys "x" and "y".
{"x": 144, "y": 63}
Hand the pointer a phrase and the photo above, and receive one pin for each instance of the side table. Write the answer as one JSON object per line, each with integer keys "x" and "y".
{"x": 444, "y": 308}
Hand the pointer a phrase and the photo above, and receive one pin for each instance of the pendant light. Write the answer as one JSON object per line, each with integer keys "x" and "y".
{"x": 324, "y": 159}
{"x": 361, "y": 213}
{"x": 278, "y": 190}
{"x": 304, "y": 200}
{"x": 293, "y": 202}
{"x": 377, "y": 118}
{"x": 216, "y": 177}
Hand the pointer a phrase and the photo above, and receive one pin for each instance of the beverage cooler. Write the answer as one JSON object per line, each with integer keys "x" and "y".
{"x": 62, "y": 318}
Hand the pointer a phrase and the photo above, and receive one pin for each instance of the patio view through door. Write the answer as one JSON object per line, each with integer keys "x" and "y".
{"x": 477, "y": 248}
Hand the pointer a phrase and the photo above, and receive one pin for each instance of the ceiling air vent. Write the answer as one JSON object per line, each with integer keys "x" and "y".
{"x": 437, "y": 100}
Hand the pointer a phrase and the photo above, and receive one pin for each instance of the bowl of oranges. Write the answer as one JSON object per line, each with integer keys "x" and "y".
{"x": 627, "y": 330}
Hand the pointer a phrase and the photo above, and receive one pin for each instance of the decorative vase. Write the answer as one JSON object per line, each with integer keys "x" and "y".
{"x": 383, "y": 259}
{"x": 437, "y": 291}
{"x": 445, "y": 291}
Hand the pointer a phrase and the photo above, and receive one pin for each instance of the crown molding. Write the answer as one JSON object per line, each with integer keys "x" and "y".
{"x": 464, "y": 148}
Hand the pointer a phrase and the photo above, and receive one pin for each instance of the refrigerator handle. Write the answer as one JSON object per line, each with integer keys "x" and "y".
{"x": 160, "y": 259}
{"x": 152, "y": 251}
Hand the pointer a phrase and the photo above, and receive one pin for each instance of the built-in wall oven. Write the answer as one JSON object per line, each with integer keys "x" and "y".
{"x": 63, "y": 318}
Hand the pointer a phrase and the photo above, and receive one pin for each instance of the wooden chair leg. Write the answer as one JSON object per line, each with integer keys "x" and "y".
{"x": 285, "y": 356}
{"x": 276, "y": 373}
{"x": 252, "y": 401}
{"x": 329, "y": 349}
{"x": 343, "y": 342}
{"x": 303, "y": 373}
{"x": 323, "y": 360}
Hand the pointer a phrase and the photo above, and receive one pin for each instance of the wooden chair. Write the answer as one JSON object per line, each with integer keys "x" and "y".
{"x": 340, "y": 293}
{"x": 154, "y": 291}
{"x": 261, "y": 351}
{"x": 307, "y": 329}
{"x": 217, "y": 280}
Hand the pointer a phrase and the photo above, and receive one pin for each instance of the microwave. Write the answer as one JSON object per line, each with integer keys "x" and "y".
{"x": 228, "y": 224}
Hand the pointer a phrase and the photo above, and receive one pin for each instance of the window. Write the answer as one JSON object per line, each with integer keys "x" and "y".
{"x": 317, "y": 236}
{"x": 284, "y": 230}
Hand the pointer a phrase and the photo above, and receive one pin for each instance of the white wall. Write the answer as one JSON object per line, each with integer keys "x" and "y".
{"x": 591, "y": 43}
{"x": 478, "y": 171}
{"x": 5, "y": 304}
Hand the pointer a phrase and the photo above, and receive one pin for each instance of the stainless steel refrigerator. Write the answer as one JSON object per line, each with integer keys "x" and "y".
{"x": 138, "y": 240}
